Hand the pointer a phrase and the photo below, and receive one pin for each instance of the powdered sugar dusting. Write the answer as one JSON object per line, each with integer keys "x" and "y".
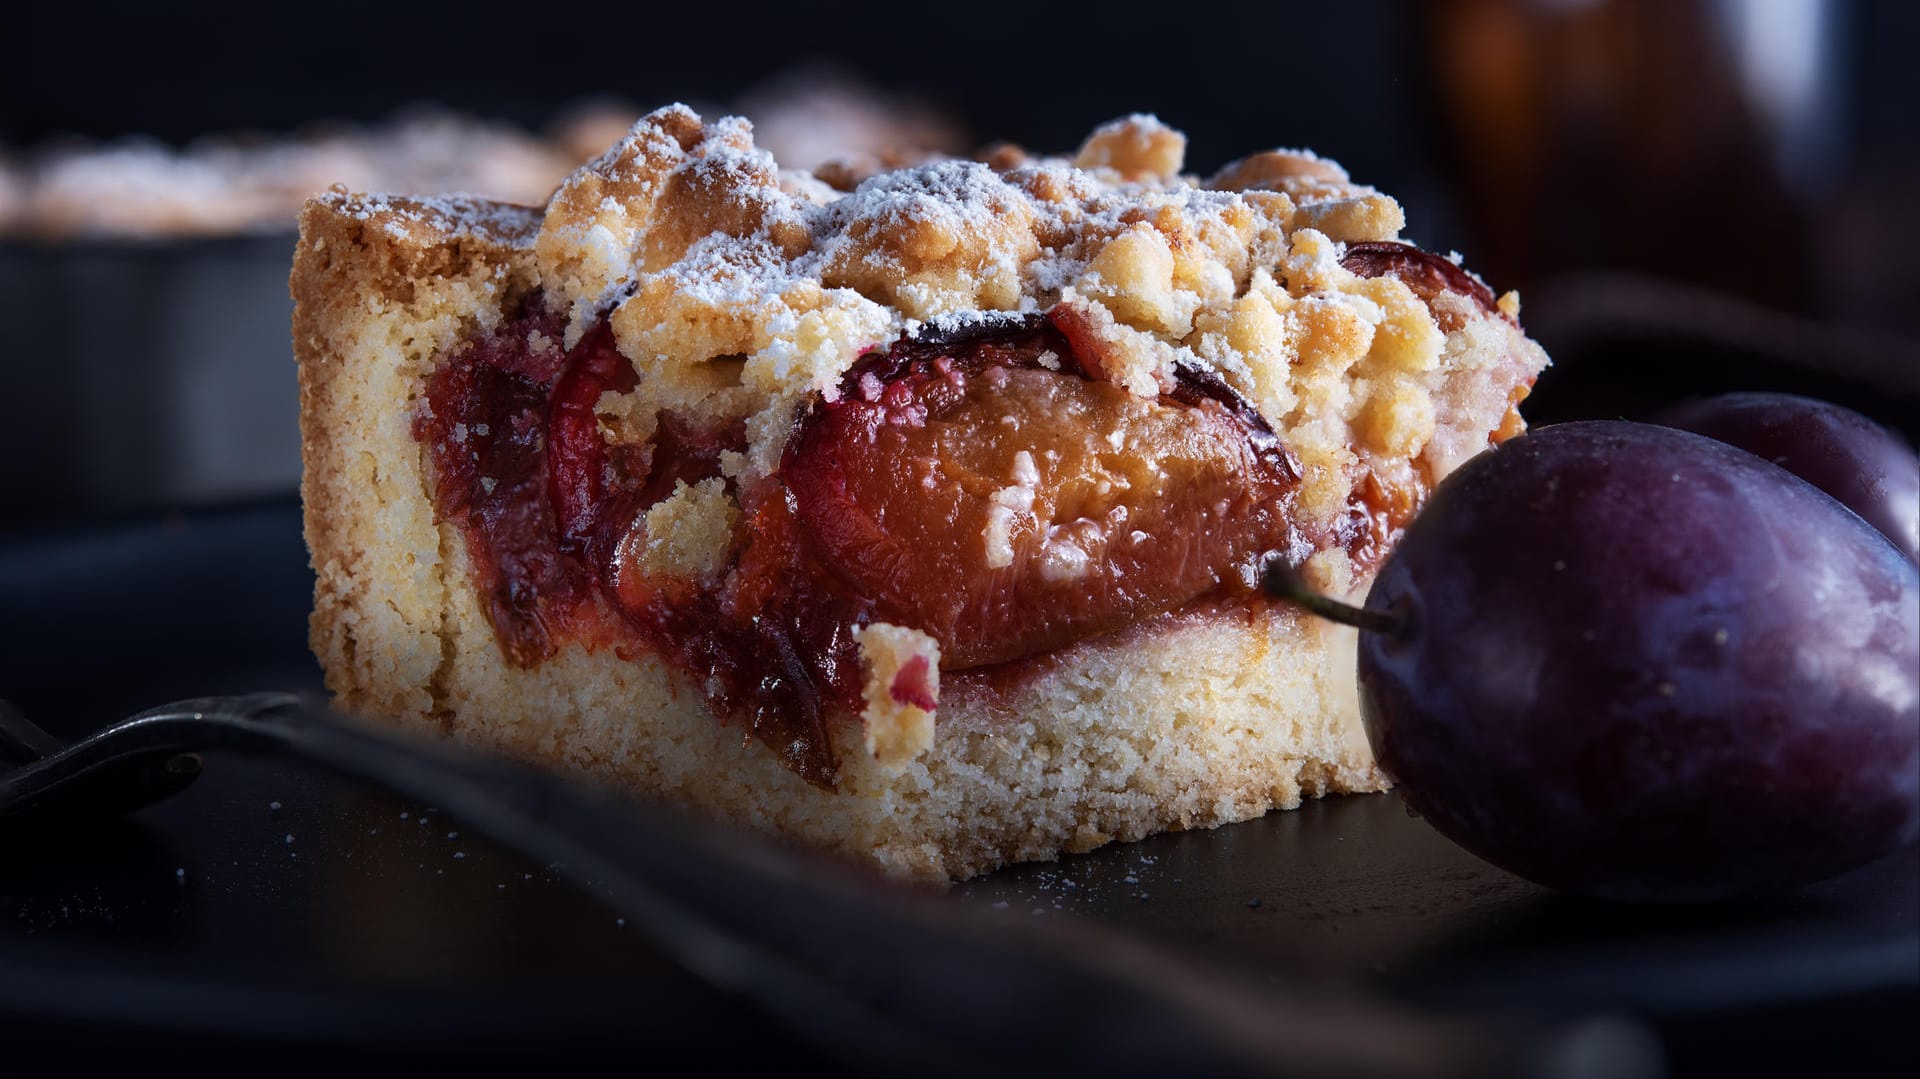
{"x": 741, "y": 292}
{"x": 701, "y": 248}
{"x": 439, "y": 215}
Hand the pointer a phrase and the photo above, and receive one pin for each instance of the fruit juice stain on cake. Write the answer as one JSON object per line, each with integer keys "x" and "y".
{"x": 485, "y": 428}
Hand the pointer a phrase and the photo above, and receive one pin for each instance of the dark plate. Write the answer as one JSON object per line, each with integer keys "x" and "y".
{"x": 271, "y": 908}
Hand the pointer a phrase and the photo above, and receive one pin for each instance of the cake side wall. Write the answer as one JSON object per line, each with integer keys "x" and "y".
{"x": 377, "y": 296}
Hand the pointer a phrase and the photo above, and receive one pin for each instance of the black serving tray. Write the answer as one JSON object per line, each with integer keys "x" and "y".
{"x": 276, "y": 914}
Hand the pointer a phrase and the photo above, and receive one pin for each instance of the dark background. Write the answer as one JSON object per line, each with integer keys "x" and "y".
{"x": 1606, "y": 157}
{"x": 1692, "y": 196}
{"x": 1624, "y": 137}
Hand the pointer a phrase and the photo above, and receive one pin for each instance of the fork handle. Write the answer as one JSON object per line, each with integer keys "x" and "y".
{"x": 888, "y": 978}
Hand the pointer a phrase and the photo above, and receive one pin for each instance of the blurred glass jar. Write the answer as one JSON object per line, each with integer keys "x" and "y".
{"x": 1688, "y": 139}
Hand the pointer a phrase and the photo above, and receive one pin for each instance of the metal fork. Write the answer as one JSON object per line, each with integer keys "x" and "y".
{"x": 884, "y": 976}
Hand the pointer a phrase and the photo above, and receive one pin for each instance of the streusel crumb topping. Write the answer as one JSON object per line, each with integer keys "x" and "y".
{"x": 739, "y": 289}
{"x": 902, "y": 691}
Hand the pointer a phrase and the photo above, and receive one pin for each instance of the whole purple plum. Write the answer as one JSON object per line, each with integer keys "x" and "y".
{"x": 1870, "y": 469}
{"x": 1636, "y": 663}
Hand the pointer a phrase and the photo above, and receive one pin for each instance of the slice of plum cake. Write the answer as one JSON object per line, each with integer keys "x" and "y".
{"x": 918, "y": 513}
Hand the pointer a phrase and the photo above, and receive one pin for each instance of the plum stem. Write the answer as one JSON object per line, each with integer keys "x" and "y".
{"x": 1283, "y": 581}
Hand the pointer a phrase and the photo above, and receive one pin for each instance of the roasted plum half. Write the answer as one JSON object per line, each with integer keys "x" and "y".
{"x": 990, "y": 494}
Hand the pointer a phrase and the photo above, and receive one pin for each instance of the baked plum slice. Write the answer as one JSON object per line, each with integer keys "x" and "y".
{"x": 599, "y": 489}
{"x": 984, "y": 490}
{"x": 484, "y": 428}
{"x": 1426, "y": 273}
